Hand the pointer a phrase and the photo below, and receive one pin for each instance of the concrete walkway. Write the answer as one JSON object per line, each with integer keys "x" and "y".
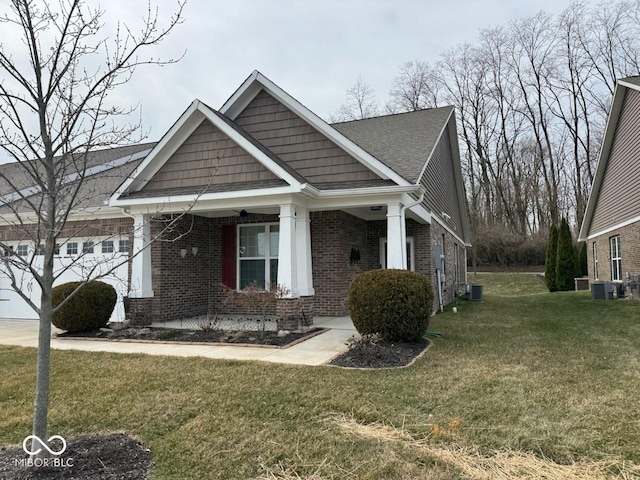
{"x": 315, "y": 351}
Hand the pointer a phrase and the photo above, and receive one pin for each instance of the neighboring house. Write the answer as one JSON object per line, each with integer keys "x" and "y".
{"x": 611, "y": 225}
{"x": 273, "y": 194}
{"x": 96, "y": 234}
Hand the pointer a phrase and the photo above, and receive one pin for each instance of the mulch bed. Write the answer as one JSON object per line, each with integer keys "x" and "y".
{"x": 268, "y": 338}
{"x": 381, "y": 354}
{"x": 88, "y": 457}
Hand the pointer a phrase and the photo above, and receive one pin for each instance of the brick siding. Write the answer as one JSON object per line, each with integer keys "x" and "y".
{"x": 190, "y": 286}
{"x": 630, "y": 254}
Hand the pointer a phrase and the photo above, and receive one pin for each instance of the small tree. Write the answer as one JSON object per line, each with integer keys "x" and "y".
{"x": 550, "y": 264}
{"x": 57, "y": 105}
{"x": 582, "y": 260}
{"x": 566, "y": 259}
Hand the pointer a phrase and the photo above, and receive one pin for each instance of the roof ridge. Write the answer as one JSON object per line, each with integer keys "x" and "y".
{"x": 397, "y": 114}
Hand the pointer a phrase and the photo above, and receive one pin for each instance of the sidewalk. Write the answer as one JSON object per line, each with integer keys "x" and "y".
{"x": 315, "y": 351}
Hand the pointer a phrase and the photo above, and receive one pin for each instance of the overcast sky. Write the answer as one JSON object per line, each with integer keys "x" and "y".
{"x": 314, "y": 50}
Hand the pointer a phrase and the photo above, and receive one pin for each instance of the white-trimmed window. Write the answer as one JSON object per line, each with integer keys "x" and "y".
{"x": 40, "y": 249}
{"x": 107, "y": 246}
{"x": 72, "y": 248}
{"x": 87, "y": 247}
{"x": 616, "y": 258}
{"x": 22, "y": 250}
{"x": 595, "y": 261}
{"x": 258, "y": 255}
{"x": 123, "y": 246}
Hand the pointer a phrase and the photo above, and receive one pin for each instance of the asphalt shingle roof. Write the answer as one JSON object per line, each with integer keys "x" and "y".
{"x": 403, "y": 141}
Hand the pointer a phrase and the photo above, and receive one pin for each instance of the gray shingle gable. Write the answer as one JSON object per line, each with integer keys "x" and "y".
{"x": 403, "y": 141}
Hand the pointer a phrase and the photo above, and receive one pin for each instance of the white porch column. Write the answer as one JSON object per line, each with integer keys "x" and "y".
{"x": 287, "y": 270}
{"x": 303, "y": 252}
{"x": 141, "y": 286}
{"x": 396, "y": 258}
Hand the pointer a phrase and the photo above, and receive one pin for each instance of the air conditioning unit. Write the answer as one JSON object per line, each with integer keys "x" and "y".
{"x": 601, "y": 290}
{"x": 475, "y": 292}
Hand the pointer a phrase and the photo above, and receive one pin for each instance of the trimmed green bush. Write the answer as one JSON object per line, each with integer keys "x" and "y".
{"x": 566, "y": 259}
{"x": 550, "y": 264}
{"x": 90, "y": 308}
{"x": 396, "y": 304}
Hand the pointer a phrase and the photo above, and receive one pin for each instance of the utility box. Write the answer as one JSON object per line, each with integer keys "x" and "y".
{"x": 601, "y": 290}
{"x": 474, "y": 292}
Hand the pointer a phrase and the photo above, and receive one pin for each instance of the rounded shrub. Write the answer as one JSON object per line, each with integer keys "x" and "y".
{"x": 396, "y": 304}
{"x": 90, "y": 308}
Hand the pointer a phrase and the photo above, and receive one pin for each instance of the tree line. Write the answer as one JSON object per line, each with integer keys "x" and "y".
{"x": 532, "y": 100}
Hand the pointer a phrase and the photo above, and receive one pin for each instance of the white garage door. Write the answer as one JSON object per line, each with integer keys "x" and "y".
{"x": 100, "y": 255}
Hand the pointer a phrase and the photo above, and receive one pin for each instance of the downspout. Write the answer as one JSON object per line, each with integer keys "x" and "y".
{"x": 404, "y": 230}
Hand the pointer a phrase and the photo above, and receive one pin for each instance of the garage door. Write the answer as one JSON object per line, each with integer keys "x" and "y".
{"x": 101, "y": 255}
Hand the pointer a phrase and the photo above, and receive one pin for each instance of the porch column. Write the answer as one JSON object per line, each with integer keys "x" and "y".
{"x": 287, "y": 271}
{"x": 303, "y": 252}
{"x": 395, "y": 235}
{"x": 141, "y": 263}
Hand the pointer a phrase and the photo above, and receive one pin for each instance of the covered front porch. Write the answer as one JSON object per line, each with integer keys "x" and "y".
{"x": 311, "y": 247}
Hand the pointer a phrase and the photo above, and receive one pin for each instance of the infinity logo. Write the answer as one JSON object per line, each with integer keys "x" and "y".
{"x": 33, "y": 439}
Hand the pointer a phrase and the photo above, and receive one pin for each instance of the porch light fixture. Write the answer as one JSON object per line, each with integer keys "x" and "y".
{"x": 194, "y": 250}
{"x": 183, "y": 252}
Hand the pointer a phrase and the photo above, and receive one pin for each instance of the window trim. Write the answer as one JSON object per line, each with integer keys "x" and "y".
{"x": 617, "y": 260}
{"x": 596, "y": 275}
{"x": 267, "y": 258}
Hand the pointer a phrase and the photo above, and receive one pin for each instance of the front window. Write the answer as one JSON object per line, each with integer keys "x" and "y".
{"x": 123, "y": 246}
{"x": 87, "y": 247}
{"x": 595, "y": 261}
{"x": 107, "y": 246}
{"x": 616, "y": 259}
{"x": 22, "y": 250}
{"x": 72, "y": 248}
{"x": 258, "y": 255}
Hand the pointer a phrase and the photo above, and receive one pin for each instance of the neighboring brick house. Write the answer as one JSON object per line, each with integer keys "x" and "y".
{"x": 611, "y": 225}
{"x": 273, "y": 194}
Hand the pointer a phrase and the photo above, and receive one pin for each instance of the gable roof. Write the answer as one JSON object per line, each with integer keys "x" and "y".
{"x": 105, "y": 171}
{"x": 621, "y": 89}
{"x": 256, "y": 82}
{"x": 404, "y": 141}
{"x": 182, "y": 129}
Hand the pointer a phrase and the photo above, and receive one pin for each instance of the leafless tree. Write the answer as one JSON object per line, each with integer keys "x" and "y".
{"x": 54, "y": 110}
{"x": 360, "y": 103}
{"x": 416, "y": 87}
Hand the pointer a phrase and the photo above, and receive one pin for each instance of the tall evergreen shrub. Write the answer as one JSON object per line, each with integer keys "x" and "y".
{"x": 584, "y": 268}
{"x": 566, "y": 259}
{"x": 550, "y": 264}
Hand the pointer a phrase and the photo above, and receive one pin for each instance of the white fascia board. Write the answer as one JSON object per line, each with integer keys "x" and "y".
{"x": 603, "y": 158}
{"x": 85, "y": 215}
{"x": 212, "y": 205}
{"x": 249, "y": 89}
{"x": 205, "y": 197}
{"x": 168, "y": 144}
{"x": 242, "y": 97}
{"x": 617, "y": 226}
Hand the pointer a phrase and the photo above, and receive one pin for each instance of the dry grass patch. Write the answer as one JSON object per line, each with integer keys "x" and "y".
{"x": 497, "y": 465}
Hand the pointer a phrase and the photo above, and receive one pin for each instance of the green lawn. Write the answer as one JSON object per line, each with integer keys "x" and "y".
{"x": 524, "y": 381}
